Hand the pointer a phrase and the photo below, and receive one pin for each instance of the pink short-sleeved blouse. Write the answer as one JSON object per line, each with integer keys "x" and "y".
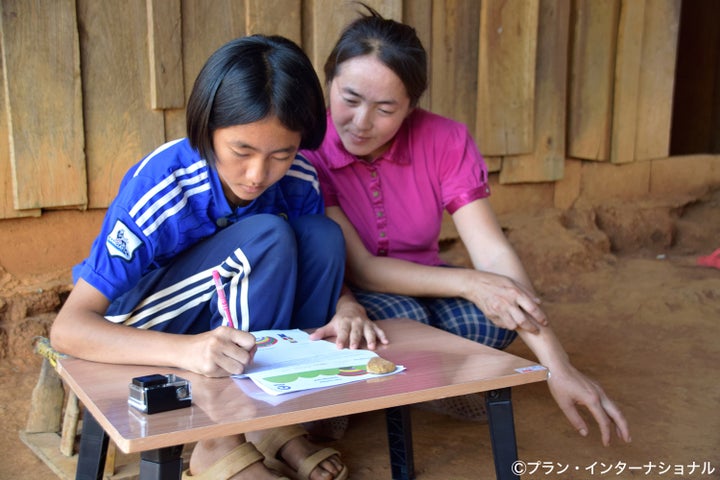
{"x": 396, "y": 202}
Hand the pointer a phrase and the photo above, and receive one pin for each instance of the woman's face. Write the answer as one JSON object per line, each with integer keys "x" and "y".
{"x": 368, "y": 104}
{"x": 251, "y": 157}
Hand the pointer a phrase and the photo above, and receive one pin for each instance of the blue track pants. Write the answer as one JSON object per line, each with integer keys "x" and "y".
{"x": 276, "y": 274}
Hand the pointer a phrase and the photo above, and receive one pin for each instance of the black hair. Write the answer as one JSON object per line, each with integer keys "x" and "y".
{"x": 250, "y": 78}
{"x": 395, "y": 44}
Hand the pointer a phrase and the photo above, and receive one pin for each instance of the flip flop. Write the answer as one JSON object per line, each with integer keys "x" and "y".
{"x": 236, "y": 460}
{"x": 712, "y": 260}
{"x": 271, "y": 444}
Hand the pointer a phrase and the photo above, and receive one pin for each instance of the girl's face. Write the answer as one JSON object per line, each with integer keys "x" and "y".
{"x": 368, "y": 104}
{"x": 251, "y": 157}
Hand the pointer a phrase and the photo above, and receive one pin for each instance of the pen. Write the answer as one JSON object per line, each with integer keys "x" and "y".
{"x": 223, "y": 299}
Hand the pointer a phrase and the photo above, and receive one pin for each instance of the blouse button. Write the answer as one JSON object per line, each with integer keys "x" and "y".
{"x": 375, "y": 193}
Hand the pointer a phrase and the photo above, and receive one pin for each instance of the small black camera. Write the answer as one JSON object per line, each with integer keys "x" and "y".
{"x": 159, "y": 393}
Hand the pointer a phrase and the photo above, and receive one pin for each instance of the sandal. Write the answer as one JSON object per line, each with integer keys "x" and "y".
{"x": 237, "y": 460}
{"x": 271, "y": 444}
{"x": 712, "y": 260}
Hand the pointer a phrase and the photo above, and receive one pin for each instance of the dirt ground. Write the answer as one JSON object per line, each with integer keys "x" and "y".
{"x": 633, "y": 310}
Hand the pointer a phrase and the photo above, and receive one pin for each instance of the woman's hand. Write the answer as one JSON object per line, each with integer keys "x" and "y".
{"x": 505, "y": 302}
{"x": 350, "y": 326}
{"x": 570, "y": 388}
{"x": 220, "y": 352}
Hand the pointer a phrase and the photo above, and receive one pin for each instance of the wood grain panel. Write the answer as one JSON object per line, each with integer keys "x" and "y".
{"x": 121, "y": 126}
{"x": 546, "y": 162}
{"x": 418, "y": 14}
{"x": 275, "y": 17}
{"x": 592, "y": 68}
{"x": 206, "y": 26}
{"x": 323, "y": 20}
{"x": 628, "y": 62}
{"x": 41, "y": 66}
{"x": 7, "y": 197}
{"x": 506, "y": 78}
{"x": 507, "y": 68}
{"x": 454, "y": 59}
{"x": 165, "y": 52}
{"x": 657, "y": 78}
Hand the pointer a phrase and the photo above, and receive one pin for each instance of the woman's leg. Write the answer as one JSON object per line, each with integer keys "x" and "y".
{"x": 463, "y": 318}
{"x": 380, "y": 306}
{"x": 454, "y": 315}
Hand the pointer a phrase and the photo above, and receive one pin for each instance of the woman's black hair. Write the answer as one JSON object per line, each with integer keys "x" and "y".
{"x": 249, "y": 79}
{"x": 395, "y": 44}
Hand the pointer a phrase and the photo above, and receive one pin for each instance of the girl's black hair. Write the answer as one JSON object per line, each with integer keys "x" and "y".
{"x": 395, "y": 44}
{"x": 249, "y": 79}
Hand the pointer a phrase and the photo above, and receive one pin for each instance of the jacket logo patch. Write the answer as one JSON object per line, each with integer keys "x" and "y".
{"x": 122, "y": 242}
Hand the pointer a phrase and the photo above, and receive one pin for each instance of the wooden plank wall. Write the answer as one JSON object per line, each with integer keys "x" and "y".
{"x": 121, "y": 126}
{"x": 537, "y": 81}
{"x": 506, "y": 76}
{"x": 546, "y": 159}
{"x": 43, "y": 103}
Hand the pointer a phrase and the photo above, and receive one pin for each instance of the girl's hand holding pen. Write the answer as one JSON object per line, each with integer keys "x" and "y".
{"x": 220, "y": 352}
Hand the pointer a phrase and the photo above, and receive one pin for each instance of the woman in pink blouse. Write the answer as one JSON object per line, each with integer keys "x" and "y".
{"x": 388, "y": 170}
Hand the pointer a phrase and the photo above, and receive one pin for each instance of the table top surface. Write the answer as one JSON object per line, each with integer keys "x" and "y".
{"x": 437, "y": 365}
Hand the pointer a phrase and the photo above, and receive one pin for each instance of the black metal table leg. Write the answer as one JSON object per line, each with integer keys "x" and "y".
{"x": 502, "y": 432}
{"x": 161, "y": 464}
{"x": 93, "y": 449}
{"x": 399, "y": 431}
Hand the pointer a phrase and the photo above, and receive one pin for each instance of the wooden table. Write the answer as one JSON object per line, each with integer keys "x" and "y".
{"x": 438, "y": 365}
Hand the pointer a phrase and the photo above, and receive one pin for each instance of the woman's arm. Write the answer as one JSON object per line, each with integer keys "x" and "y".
{"x": 490, "y": 250}
{"x": 502, "y": 290}
{"x": 390, "y": 275}
{"x": 508, "y": 303}
{"x": 350, "y": 324}
{"x": 81, "y": 330}
{"x": 570, "y": 387}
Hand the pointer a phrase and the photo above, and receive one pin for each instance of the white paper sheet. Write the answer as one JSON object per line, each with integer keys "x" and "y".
{"x": 288, "y": 361}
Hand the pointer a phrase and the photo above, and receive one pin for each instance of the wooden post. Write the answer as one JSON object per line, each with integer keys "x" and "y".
{"x": 69, "y": 426}
{"x": 46, "y": 402}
